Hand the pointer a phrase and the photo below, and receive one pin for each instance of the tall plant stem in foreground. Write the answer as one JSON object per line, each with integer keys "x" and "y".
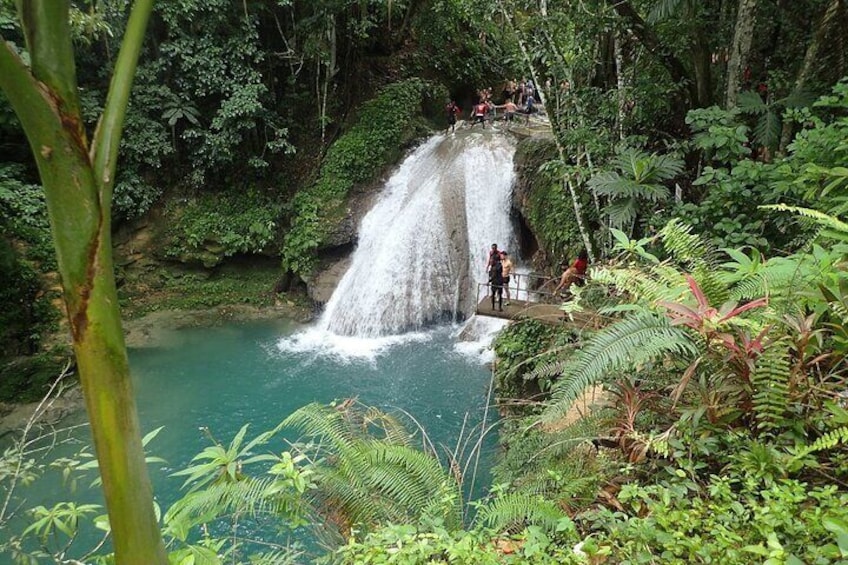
{"x": 78, "y": 183}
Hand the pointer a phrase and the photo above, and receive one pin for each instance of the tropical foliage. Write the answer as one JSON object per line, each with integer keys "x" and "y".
{"x": 697, "y": 152}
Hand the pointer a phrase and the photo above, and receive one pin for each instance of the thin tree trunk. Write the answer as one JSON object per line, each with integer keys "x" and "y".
{"x": 78, "y": 185}
{"x": 743, "y": 36}
{"x": 555, "y": 126}
{"x": 810, "y": 58}
{"x": 648, "y": 38}
{"x": 619, "y": 84}
{"x": 703, "y": 71}
{"x": 328, "y": 77}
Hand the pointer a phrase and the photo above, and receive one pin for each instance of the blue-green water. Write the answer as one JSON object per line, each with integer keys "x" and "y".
{"x": 224, "y": 377}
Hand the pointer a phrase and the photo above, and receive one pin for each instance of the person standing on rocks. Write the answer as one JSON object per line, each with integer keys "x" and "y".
{"x": 453, "y": 111}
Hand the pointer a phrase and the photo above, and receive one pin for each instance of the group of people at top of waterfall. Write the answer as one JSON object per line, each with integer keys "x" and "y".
{"x": 500, "y": 269}
{"x": 515, "y": 95}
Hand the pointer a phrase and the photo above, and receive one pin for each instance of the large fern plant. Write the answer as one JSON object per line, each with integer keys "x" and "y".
{"x": 367, "y": 470}
{"x": 676, "y": 312}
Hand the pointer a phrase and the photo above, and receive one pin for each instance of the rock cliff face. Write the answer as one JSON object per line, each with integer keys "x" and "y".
{"x": 548, "y": 229}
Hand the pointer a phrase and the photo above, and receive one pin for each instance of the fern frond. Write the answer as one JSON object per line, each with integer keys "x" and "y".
{"x": 770, "y": 381}
{"x": 685, "y": 246}
{"x": 366, "y": 471}
{"x": 698, "y": 256}
{"x": 377, "y": 482}
{"x": 627, "y": 343}
{"x": 833, "y": 226}
{"x": 513, "y": 512}
{"x": 280, "y": 557}
{"x": 660, "y": 283}
{"x": 249, "y": 496}
{"x": 548, "y": 370}
{"x": 828, "y": 441}
{"x": 322, "y": 422}
{"x": 776, "y": 278}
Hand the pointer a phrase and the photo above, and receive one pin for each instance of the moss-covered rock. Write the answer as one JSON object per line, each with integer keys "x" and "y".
{"x": 382, "y": 130}
{"x": 545, "y": 204}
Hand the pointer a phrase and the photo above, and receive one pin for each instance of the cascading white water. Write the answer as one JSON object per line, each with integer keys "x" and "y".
{"x": 424, "y": 245}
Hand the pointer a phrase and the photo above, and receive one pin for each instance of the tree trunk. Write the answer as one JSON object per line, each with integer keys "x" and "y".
{"x": 703, "y": 71}
{"x": 78, "y": 185}
{"x": 810, "y": 58}
{"x": 649, "y": 39}
{"x": 619, "y": 85}
{"x": 742, "y": 38}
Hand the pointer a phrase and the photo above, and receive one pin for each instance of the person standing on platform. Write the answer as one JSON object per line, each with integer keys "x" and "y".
{"x": 492, "y": 253}
{"x": 507, "y": 268}
{"x": 496, "y": 281}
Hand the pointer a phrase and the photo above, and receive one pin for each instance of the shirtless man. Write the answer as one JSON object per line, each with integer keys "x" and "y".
{"x": 510, "y": 109}
{"x": 507, "y": 267}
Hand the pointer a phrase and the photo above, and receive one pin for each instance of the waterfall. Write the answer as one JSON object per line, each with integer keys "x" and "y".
{"x": 424, "y": 245}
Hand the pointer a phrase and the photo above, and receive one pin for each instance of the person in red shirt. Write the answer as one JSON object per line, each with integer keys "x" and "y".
{"x": 478, "y": 114}
{"x": 492, "y": 253}
{"x": 576, "y": 272}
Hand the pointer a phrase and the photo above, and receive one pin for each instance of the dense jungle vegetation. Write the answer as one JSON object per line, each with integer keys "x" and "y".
{"x": 698, "y": 413}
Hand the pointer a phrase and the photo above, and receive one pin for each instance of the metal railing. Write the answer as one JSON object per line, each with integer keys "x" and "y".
{"x": 527, "y": 287}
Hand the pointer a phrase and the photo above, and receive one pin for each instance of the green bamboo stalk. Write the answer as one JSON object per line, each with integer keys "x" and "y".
{"x": 78, "y": 193}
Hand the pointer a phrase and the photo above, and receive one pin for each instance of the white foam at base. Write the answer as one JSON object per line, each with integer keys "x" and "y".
{"x": 346, "y": 349}
{"x": 475, "y": 338}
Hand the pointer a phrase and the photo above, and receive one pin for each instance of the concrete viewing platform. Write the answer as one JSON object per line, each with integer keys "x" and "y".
{"x": 549, "y": 313}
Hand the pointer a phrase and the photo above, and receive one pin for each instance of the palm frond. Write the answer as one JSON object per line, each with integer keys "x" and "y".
{"x": 622, "y": 212}
{"x": 750, "y": 102}
{"x": 799, "y": 99}
{"x": 616, "y": 186}
{"x": 664, "y": 9}
{"x": 767, "y": 129}
{"x": 668, "y": 166}
{"x": 323, "y": 423}
{"x": 249, "y": 496}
